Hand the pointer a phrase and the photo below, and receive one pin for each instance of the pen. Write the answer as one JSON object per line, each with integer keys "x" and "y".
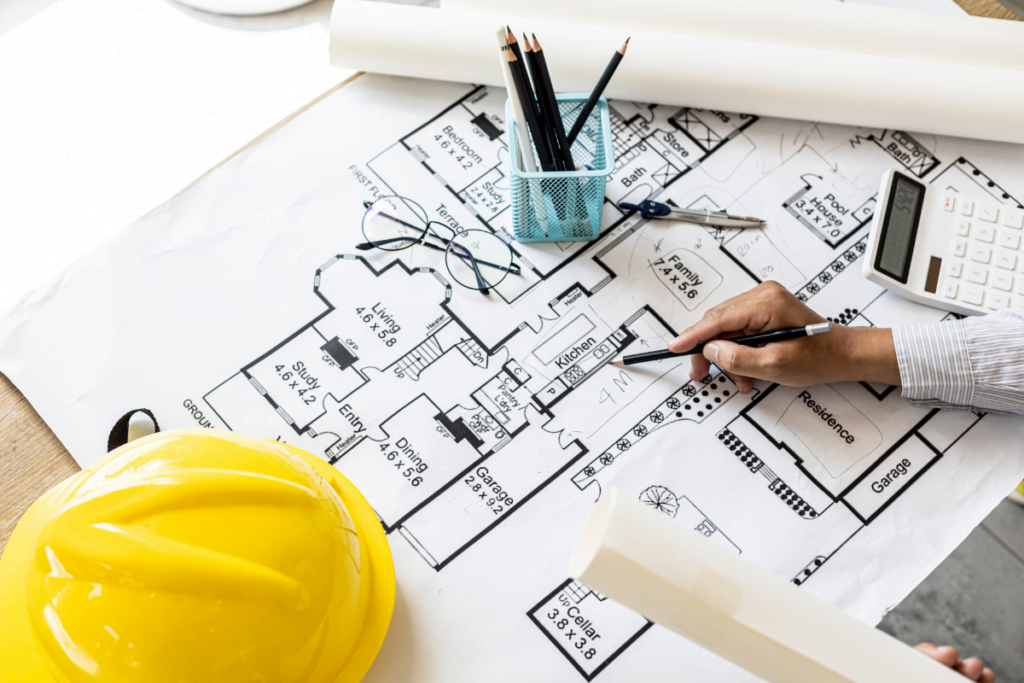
{"x": 719, "y": 219}
{"x": 752, "y": 340}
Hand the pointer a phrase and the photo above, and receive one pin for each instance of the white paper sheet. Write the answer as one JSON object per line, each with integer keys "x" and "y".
{"x": 824, "y": 25}
{"x": 109, "y": 107}
{"x": 484, "y": 433}
{"x": 699, "y": 70}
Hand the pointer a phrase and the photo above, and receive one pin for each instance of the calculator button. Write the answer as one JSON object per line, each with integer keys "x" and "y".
{"x": 955, "y": 268}
{"x": 1002, "y": 281}
{"x": 988, "y": 213}
{"x": 1010, "y": 240}
{"x": 998, "y": 300}
{"x": 963, "y": 227}
{"x": 959, "y": 247}
{"x": 951, "y": 289}
{"x": 1020, "y": 285}
{"x": 947, "y": 202}
{"x": 980, "y": 253}
{"x": 977, "y": 274}
{"x": 966, "y": 207}
{"x": 1007, "y": 261}
{"x": 1018, "y": 302}
{"x": 973, "y": 295}
{"x": 985, "y": 233}
{"x": 1012, "y": 218}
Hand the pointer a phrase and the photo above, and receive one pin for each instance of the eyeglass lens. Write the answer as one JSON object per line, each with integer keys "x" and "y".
{"x": 478, "y": 259}
{"x": 394, "y": 223}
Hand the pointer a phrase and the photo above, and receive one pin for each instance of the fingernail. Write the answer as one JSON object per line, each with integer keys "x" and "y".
{"x": 711, "y": 352}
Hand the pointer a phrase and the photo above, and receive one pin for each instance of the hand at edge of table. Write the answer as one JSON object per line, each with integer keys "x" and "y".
{"x": 973, "y": 668}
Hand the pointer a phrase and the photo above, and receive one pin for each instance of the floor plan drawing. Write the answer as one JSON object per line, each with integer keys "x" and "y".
{"x": 482, "y": 428}
{"x": 456, "y": 458}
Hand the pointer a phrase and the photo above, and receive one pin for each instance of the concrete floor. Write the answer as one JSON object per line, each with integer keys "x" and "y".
{"x": 974, "y": 600}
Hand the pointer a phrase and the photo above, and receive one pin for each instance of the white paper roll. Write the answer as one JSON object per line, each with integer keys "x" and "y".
{"x": 676, "y": 577}
{"x": 836, "y": 26}
{"x": 712, "y": 73}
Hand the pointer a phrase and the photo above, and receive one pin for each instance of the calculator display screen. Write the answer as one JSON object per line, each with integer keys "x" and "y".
{"x": 899, "y": 228}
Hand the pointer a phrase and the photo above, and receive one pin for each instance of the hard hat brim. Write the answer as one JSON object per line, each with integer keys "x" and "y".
{"x": 381, "y": 568}
{"x": 21, "y": 657}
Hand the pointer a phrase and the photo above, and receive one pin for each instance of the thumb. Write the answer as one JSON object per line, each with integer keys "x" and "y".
{"x": 735, "y": 358}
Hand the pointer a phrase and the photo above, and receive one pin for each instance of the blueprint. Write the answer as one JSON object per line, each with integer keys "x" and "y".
{"x": 482, "y": 428}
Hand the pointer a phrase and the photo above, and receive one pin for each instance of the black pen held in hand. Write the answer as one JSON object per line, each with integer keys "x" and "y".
{"x": 752, "y": 340}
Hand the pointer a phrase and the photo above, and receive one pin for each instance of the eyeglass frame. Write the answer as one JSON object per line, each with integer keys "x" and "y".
{"x": 450, "y": 245}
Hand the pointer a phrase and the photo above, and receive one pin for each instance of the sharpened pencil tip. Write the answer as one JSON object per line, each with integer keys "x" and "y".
{"x": 618, "y": 361}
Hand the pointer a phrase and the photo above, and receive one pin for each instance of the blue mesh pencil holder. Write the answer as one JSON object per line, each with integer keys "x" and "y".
{"x": 564, "y": 206}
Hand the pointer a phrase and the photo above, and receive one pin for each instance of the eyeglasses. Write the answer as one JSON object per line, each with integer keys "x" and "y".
{"x": 476, "y": 259}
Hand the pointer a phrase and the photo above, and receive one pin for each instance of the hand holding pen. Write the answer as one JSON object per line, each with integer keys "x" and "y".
{"x": 847, "y": 354}
{"x": 756, "y": 340}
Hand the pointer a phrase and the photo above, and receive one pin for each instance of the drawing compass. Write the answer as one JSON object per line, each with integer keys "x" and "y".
{"x": 718, "y": 219}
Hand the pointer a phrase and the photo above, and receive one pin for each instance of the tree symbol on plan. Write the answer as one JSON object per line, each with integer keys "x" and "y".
{"x": 661, "y": 499}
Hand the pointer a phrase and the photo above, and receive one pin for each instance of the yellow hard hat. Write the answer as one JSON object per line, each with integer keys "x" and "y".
{"x": 199, "y": 556}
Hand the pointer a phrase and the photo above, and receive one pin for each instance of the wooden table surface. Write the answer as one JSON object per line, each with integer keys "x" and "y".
{"x": 32, "y": 459}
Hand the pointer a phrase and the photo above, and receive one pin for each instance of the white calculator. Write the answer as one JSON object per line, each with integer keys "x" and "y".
{"x": 944, "y": 249}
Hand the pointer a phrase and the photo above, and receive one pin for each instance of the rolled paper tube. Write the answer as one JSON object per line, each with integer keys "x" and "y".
{"x": 680, "y": 579}
{"x": 713, "y": 73}
{"x": 838, "y": 26}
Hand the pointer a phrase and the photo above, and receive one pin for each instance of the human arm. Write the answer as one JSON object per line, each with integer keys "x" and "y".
{"x": 976, "y": 362}
{"x": 959, "y": 364}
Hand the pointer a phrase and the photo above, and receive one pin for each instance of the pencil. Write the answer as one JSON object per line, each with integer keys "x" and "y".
{"x": 544, "y": 146}
{"x": 531, "y": 119}
{"x": 602, "y": 83}
{"x": 555, "y": 117}
{"x": 524, "y": 150}
{"x": 752, "y": 340}
{"x": 529, "y": 102}
{"x": 545, "y": 111}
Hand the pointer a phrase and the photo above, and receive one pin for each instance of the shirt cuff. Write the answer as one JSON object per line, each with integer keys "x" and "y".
{"x": 934, "y": 364}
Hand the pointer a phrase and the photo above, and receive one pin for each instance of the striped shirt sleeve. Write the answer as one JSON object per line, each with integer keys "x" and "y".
{"x": 976, "y": 362}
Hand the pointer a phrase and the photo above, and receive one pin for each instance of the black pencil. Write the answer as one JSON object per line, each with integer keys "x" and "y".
{"x": 752, "y": 340}
{"x": 555, "y": 117}
{"x": 596, "y": 94}
{"x": 545, "y": 154}
{"x": 545, "y": 111}
{"x": 531, "y": 118}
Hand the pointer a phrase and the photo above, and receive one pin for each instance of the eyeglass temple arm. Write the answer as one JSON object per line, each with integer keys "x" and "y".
{"x": 364, "y": 246}
{"x": 472, "y": 262}
{"x": 423, "y": 233}
{"x": 512, "y": 268}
